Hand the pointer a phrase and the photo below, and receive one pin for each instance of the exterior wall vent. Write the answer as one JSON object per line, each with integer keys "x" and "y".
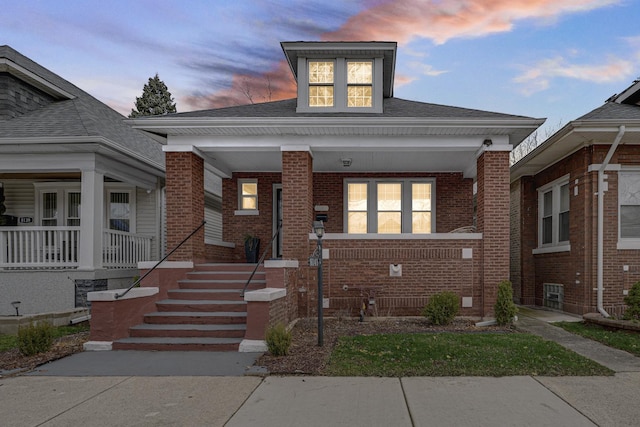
{"x": 553, "y": 295}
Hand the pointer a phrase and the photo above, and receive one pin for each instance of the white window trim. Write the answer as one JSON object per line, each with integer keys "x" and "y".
{"x": 372, "y": 217}
{"x": 626, "y": 243}
{"x": 339, "y": 85}
{"x": 116, "y": 187}
{"x": 555, "y": 245}
{"x": 247, "y": 212}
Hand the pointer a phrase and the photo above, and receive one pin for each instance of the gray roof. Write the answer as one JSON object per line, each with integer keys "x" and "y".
{"x": 393, "y": 107}
{"x": 81, "y": 116}
{"x": 613, "y": 111}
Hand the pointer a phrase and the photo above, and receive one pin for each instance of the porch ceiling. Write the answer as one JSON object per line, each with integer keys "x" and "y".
{"x": 390, "y": 159}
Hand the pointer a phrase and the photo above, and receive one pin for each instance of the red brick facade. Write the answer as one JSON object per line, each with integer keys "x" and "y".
{"x": 359, "y": 270}
{"x": 576, "y": 269}
{"x": 185, "y": 205}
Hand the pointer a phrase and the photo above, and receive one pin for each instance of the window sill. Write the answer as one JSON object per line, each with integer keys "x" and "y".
{"x": 628, "y": 244}
{"x": 247, "y": 212}
{"x": 551, "y": 249}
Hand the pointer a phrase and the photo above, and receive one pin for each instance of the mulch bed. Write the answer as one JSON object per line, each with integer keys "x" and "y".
{"x": 13, "y": 362}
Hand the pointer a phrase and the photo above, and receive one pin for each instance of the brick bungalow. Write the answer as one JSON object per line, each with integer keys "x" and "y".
{"x": 575, "y": 212}
{"x": 414, "y": 196}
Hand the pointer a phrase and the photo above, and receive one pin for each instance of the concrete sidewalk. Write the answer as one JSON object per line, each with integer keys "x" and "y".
{"x": 69, "y": 392}
{"x": 320, "y": 401}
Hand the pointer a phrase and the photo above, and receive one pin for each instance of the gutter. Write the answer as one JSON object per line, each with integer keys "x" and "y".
{"x": 600, "y": 248}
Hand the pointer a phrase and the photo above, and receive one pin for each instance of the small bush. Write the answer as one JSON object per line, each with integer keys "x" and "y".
{"x": 35, "y": 338}
{"x": 505, "y": 309}
{"x": 442, "y": 308}
{"x": 278, "y": 340}
{"x": 633, "y": 303}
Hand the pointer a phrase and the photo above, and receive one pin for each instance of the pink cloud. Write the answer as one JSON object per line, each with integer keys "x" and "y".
{"x": 538, "y": 76}
{"x": 403, "y": 21}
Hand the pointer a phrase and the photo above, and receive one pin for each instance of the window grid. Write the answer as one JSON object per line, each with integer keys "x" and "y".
{"x": 388, "y": 206}
{"x": 321, "y": 80}
{"x": 359, "y": 83}
{"x": 248, "y": 195}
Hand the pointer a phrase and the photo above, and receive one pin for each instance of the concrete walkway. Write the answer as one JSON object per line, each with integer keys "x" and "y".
{"x": 46, "y": 399}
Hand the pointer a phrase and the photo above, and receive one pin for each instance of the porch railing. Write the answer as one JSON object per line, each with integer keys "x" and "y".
{"x": 121, "y": 249}
{"x": 36, "y": 247}
{"x": 58, "y": 247}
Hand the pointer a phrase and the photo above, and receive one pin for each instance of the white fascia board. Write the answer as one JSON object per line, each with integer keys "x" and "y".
{"x": 164, "y": 124}
{"x": 47, "y": 162}
{"x": 331, "y": 143}
{"x": 87, "y": 144}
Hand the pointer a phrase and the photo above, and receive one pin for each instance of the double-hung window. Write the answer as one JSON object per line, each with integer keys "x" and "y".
{"x": 388, "y": 206}
{"x": 342, "y": 85}
{"x": 321, "y": 79}
{"x": 553, "y": 211}
{"x": 629, "y": 209}
{"x": 248, "y": 194}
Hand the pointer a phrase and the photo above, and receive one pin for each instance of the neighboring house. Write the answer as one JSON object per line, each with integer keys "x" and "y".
{"x": 575, "y": 212}
{"x": 82, "y": 189}
{"x": 414, "y": 196}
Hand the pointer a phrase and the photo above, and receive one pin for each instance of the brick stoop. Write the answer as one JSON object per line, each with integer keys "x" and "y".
{"x": 206, "y": 313}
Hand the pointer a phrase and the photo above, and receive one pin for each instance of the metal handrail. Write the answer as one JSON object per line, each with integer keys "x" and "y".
{"x": 134, "y": 284}
{"x": 264, "y": 254}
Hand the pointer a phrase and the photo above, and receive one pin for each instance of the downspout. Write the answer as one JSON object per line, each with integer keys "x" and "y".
{"x": 601, "y": 191}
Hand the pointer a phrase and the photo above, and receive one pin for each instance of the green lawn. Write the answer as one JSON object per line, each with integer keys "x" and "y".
{"x": 8, "y": 342}
{"x": 621, "y": 339}
{"x": 455, "y": 354}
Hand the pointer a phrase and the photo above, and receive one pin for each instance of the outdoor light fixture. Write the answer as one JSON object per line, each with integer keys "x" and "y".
{"x": 318, "y": 228}
{"x": 487, "y": 142}
{"x": 346, "y": 162}
{"x": 16, "y": 305}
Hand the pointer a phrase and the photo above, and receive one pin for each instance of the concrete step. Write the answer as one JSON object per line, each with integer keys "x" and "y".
{"x": 196, "y": 318}
{"x": 188, "y": 330}
{"x": 220, "y": 284}
{"x": 227, "y": 267}
{"x": 178, "y": 344}
{"x": 206, "y": 294}
{"x": 200, "y": 305}
{"x": 225, "y": 275}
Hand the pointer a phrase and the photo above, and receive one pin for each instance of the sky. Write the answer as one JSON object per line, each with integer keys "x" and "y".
{"x": 554, "y": 59}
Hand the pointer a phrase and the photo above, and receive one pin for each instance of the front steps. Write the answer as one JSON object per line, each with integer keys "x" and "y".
{"x": 206, "y": 313}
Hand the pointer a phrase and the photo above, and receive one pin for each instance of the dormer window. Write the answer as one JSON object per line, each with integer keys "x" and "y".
{"x": 341, "y": 84}
{"x": 359, "y": 83}
{"x": 342, "y": 77}
{"x": 321, "y": 83}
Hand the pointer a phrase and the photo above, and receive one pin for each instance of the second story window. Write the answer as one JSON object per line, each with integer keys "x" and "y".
{"x": 321, "y": 79}
{"x": 359, "y": 83}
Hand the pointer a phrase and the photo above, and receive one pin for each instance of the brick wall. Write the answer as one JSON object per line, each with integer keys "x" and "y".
{"x": 17, "y": 97}
{"x": 358, "y": 269}
{"x": 493, "y": 220}
{"x": 577, "y": 269}
{"x": 454, "y": 203}
{"x": 185, "y": 205}
{"x": 235, "y": 227}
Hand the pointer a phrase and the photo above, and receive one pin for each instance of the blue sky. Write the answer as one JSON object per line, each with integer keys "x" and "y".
{"x": 540, "y": 58}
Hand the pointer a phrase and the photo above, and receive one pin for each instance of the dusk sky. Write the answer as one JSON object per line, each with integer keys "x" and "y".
{"x": 540, "y": 58}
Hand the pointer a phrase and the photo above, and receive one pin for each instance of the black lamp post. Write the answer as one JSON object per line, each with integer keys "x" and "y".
{"x": 318, "y": 228}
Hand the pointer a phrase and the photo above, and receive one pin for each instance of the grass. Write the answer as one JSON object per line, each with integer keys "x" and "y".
{"x": 455, "y": 354}
{"x": 621, "y": 339}
{"x": 9, "y": 342}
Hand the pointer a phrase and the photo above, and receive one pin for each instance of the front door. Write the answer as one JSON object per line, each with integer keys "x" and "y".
{"x": 277, "y": 219}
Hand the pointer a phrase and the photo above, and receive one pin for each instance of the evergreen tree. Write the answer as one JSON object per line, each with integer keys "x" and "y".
{"x": 155, "y": 100}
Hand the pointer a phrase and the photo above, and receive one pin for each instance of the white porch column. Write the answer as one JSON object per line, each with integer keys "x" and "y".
{"x": 91, "y": 220}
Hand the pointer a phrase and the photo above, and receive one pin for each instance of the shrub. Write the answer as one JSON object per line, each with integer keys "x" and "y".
{"x": 278, "y": 340}
{"x": 505, "y": 309}
{"x": 442, "y": 308}
{"x": 35, "y": 338}
{"x": 633, "y": 303}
